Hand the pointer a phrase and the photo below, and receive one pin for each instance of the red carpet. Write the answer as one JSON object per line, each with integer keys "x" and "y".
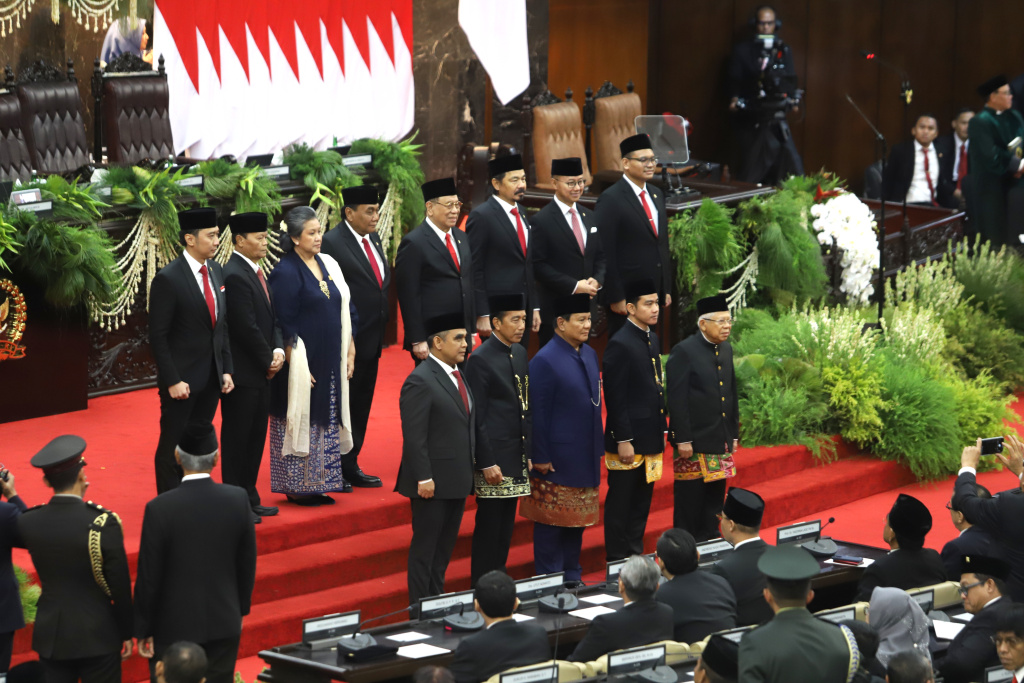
{"x": 352, "y": 555}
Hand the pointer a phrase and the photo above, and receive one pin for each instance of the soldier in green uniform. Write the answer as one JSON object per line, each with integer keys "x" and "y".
{"x": 997, "y": 140}
{"x": 795, "y": 646}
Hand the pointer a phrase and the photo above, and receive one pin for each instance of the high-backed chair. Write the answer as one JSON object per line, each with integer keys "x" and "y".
{"x": 946, "y": 593}
{"x": 556, "y": 132}
{"x": 51, "y": 118}
{"x": 15, "y": 163}
{"x": 567, "y": 671}
{"x": 610, "y": 117}
{"x": 131, "y": 111}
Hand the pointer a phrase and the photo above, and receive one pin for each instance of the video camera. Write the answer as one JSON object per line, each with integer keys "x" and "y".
{"x": 777, "y": 87}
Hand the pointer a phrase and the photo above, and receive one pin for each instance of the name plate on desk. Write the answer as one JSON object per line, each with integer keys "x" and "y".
{"x": 997, "y": 674}
{"x": 537, "y": 673}
{"x": 613, "y": 568}
{"x": 41, "y": 209}
{"x": 713, "y": 550}
{"x": 192, "y": 181}
{"x": 277, "y": 172}
{"x": 925, "y": 600}
{"x": 443, "y": 605}
{"x": 636, "y": 659}
{"x": 539, "y": 586}
{"x": 357, "y": 160}
{"x": 797, "y": 533}
{"x": 736, "y": 634}
{"x": 323, "y": 632}
{"x": 838, "y": 615}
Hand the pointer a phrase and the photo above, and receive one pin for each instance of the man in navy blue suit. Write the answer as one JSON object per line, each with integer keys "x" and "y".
{"x": 11, "y": 618}
{"x": 972, "y": 540}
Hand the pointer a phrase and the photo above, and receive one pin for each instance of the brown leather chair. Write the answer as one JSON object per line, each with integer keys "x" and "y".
{"x": 15, "y": 163}
{"x": 51, "y": 119}
{"x": 132, "y": 113}
{"x": 614, "y": 116}
{"x": 557, "y": 133}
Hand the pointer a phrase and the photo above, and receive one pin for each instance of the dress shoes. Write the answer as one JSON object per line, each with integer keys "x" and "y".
{"x": 256, "y": 519}
{"x": 314, "y": 500}
{"x": 363, "y": 480}
{"x": 346, "y": 487}
{"x": 265, "y": 510}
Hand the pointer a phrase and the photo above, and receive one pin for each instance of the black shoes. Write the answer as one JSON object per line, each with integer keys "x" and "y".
{"x": 362, "y": 480}
{"x": 311, "y": 501}
{"x": 265, "y": 510}
{"x": 256, "y": 519}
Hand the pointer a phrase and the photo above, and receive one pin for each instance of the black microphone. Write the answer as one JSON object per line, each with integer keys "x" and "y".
{"x": 821, "y": 547}
{"x": 359, "y": 640}
{"x": 830, "y": 520}
{"x": 463, "y": 622}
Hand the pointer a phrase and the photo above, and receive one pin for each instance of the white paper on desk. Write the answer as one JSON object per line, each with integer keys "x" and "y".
{"x": 947, "y": 630}
{"x": 521, "y": 617}
{"x": 408, "y": 637}
{"x": 589, "y": 613}
{"x": 866, "y": 562}
{"x": 420, "y": 650}
{"x": 966, "y": 616}
{"x": 600, "y": 599}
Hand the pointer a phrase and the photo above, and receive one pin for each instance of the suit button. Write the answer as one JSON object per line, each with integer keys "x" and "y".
{"x": 723, "y": 414}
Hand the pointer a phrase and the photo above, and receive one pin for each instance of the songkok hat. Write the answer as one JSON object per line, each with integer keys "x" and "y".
{"x": 990, "y": 566}
{"x": 501, "y": 303}
{"x": 744, "y": 507}
{"x": 712, "y": 304}
{"x": 362, "y": 194}
{"x": 572, "y": 166}
{"x": 909, "y": 517}
{"x": 634, "y": 143}
{"x": 244, "y": 223}
{"x": 722, "y": 656}
{"x": 576, "y": 303}
{"x": 196, "y": 219}
{"x": 60, "y": 455}
{"x": 198, "y": 440}
{"x": 445, "y": 322}
{"x": 505, "y": 164}
{"x": 788, "y": 563}
{"x": 638, "y": 288}
{"x": 991, "y": 85}
{"x": 442, "y": 187}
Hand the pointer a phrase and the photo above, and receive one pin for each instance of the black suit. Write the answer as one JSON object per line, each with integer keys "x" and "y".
{"x": 505, "y": 645}
{"x": 638, "y": 623}
{"x": 196, "y": 577}
{"x": 702, "y": 603}
{"x": 430, "y": 284}
{"x": 557, "y": 262}
{"x": 11, "y": 618}
{"x": 254, "y": 335}
{"x": 79, "y": 628}
{"x": 904, "y": 569}
{"x": 439, "y": 440}
{"x": 1003, "y": 518}
{"x": 505, "y": 440}
{"x": 971, "y": 541}
{"x": 635, "y": 401}
{"x": 499, "y": 264}
{"x": 187, "y": 347}
{"x": 739, "y": 568}
{"x": 371, "y": 302}
{"x": 900, "y": 172}
{"x": 972, "y": 651}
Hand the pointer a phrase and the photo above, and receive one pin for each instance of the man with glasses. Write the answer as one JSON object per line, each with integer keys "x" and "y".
{"x": 567, "y": 254}
{"x": 434, "y": 268}
{"x": 982, "y": 588}
{"x": 972, "y": 540}
{"x": 1009, "y": 641}
{"x": 703, "y": 419}
{"x": 634, "y": 230}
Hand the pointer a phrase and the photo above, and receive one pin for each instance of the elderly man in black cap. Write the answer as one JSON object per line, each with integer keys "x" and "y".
{"x": 499, "y": 375}
{"x": 719, "y": 662}
{"x": 634, "y": 229}
{"x": 740, "y": 525}
{"x": 634, "y": 437}
{"x": 795, "y": 647}
{"x": 996, "y": 162}
{"x": 440, "y": 434}
{"x": 499, "y": 237}
{"x": 567, "y": 254}
{"x": 188, "y": 335}
{"x": 83, "y": 624}
{"x": 357, "y": 248}
{"x": 909, "y": 564}
{"x": 701, "y": 601}
{"x": 704, "y": 418}
{"x": 434, "y": 269}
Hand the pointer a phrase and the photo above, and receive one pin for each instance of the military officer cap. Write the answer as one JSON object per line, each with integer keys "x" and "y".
{"x": 712, "y": 304}
{"x": 575, "y": 303}
{"x": 503, "y": 303}
{"x": 910, "y": 517}
{"x": 744, "y": 507}
{"x": 60, "y": 455}
{"x": 788, "y": 563}
{"x": 362, "y": 194}
{"x": 571, "y": 166}
{"x": 638, "y": 288}
{"x": 442, "y": 187}
{"x": 506, "y": 164}
{"x": 989, "y": 566}
{"x": 244, "y": 223}
{"x": 198, "y": 440}
{"x": 991, "y": 85}
{"x": 722, "y": 656}
{"x": 635, "y": 143}
{"x": 443, "y": 323}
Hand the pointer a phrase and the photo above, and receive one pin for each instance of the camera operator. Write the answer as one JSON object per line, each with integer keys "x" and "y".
{"x": 763, "y": 88}
{"x": 10, "y": 598}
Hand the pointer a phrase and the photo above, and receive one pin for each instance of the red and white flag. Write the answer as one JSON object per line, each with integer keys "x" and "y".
{"x": 496, "y": 30}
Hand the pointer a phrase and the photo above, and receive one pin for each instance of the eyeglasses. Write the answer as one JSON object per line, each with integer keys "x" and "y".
{"x": 574, "y": 183}
{"x": 965, "y": 589}
{"x": 1012, "y": 641}
{"x": 949, "y": 506}
{"x": 645, "y": 161}
{"x": 722, "y": 321}
{"x": 450, "y": 205}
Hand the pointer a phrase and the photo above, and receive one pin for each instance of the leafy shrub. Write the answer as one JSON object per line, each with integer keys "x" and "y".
{"x": 914, "y": 335}
{"x": 995, "y": 281}
{"x": 855, "y": 396}
{"x": 978, "y": 342}
{"x": 757, "y": 332}
{"x": 981, "y": 406}
{"x": 704, "y": 243}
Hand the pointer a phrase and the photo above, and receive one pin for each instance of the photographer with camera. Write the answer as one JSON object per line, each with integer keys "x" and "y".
{"x": 763, "y": 88}
{"x": 11, "y": 618}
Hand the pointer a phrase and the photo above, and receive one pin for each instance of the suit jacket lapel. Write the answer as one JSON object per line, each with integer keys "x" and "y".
{"x": 446, "y": 384}
{"x": 357, "y": 251}
{"x": 192, "y": 285}
{"x": 375, "y": 241}
{"x": 431, "y": 237}
{"x": 505, "y": 221}
{"x": 638, "y": 207}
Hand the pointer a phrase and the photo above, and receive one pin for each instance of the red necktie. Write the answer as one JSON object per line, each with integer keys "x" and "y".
{"x": 208, "y": 293}
{"x": 451, "y": 250}
{"x": 263, "y": 281}
{"x": 928, "y": 175}
{"x": 961, "y": 166}
{"x": 650, "y": 216}
{"x": 519, "y": 230}
{"x": 462, "y": 388}
{"x": 577, "y": 230}
{"x": 373, "y": 261}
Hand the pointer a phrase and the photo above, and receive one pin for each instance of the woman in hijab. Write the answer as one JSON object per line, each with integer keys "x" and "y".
{"x": 125, "y": 35}
{"x": 899, "y": 621}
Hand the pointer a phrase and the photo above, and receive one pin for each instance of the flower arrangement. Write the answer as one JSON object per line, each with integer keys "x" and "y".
{"x": 847, "y": 222}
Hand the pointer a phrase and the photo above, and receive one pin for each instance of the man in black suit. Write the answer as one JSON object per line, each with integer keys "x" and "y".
{"x": 11, "y": 618}
{"x": 356, "y": 246}
{"x": 567, "y": 254}
{"x": 440, "y": 434}
{"x": 909, "y": 564}
{"x": 701, "y": 601}
{"x": 972, "y": 540}
{"x": 434, "y": 269}
{"x": 740, "y": 525}
{"x": 982, "y": 588}
{"x": 634, "y": 230}
{"x": 504, "y": 643}
{"x": 634, "y": 435}
{"x": 1009, "y": 641}
{"x": 83, "y": 623}
{"x": 188, "y": 335}
{"x": 195, "y": 576}
{"x": 257, "y": 352}
{"x": 498, "y": 374}
{"x": 918, "y": 170}
{"x": 954, "y": 146}
{"x": 499, "y": 236}
{"x": 641, "y": 620}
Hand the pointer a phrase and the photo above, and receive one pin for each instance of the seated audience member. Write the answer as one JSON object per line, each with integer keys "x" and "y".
{"x": 909, "y": 564}
{"x": 701, "y": 601}
{"x": 719, "y": 662}
{"x": 917, "y": 171}
{"x": 432, "y": 674}
{"x": 909, "y": 667}
{"x": 739, "y": 524}
{"x": 954, "y": 145}
{"x": 899, "y": 621}
{"x": 504, "y": 643}
{"x": 982, "y": 586}
{"x": 867, "y": 643}
{"x": 971, "y": 541}
{"x": 183, "y": 662}
{"x": 641, "y": 621}
{"x": 1009, "y": 641}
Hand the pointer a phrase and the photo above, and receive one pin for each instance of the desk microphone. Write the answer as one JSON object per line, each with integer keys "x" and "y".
{"x": 358, "y": 640}
{"x": 558, "y": 631}
{"x": 822, "y": 547}
{"x": 464, "y": 622}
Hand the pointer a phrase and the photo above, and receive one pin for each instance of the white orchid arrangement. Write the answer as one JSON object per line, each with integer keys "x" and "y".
{"x": 847, "y": 222}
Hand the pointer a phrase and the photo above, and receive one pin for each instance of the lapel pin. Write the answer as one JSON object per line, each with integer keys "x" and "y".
{"x": 222, "y": 288}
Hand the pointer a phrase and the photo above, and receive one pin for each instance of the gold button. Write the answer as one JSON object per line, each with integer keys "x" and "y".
{"x": 723, "y": 398}
{"x": 723, "y": 414}
{"x": 721, "y": 384}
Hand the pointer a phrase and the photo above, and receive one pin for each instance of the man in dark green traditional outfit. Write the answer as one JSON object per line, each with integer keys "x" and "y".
{"x": 997, "y": 140}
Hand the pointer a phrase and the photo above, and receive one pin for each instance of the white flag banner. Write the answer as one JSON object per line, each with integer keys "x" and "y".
{"x": 497, "y": 33}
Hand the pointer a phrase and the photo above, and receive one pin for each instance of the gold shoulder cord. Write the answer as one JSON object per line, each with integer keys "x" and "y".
{"x": 96, "y": 552}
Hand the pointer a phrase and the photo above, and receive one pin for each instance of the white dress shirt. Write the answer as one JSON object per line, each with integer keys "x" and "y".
{"x": 565, "y": 209}
{"x": 255, "y": 267}
{"x": 191, "y": 477}
{"x": 373, "y": 249}
{"x": 442, "y": 235}
{"x": 918, "y": 191}
{"x": 957, "y": 144}
{"x": 512, "y": 219}
{"x": 650, "y": 202}
{"x": 194, "y": 266}
{"x": 745, "y": 541}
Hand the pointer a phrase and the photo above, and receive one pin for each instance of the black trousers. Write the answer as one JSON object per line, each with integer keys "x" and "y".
{"x": 101, "y": 669}
{"x": 198, "y": 408}
{"x": 697, "y": 505}
{"x": 6, "y": 649}
{"x": 435, "y": 528}
{"x": 221, "y": 656}
{"x": 492, "y": 535}
{"x": 244, "y": 413}
{"x": 360, "y": 398}
{"x": 626, "y": 508}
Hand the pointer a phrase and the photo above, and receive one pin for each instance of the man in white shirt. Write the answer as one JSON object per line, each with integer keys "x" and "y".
{"x": 917, "y": 171}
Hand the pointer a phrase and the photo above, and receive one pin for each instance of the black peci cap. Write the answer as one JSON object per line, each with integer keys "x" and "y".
{"x": 445, "y": 322}
{"x": 990, "y": 566}
{"x": 909, "y": 517}
{"x": 197, "y": 219}
{"x": 362, "y": 194}
{"x": 722, "y": 656}
{"x": 505, "y": 164}
{"x": 712, "y": 304}
{"x": 572, "y": 166}
{"x": 567, "y": 305}
{"x": 498, "y": 303}
{"x": 744, "y": 507}
{"x": 991, "y": 85}
{"x": 638, "y": 288}
{"x": 442, "y": 187}
{"x": 635, "y": 143}
{"x": 244, "y": 223}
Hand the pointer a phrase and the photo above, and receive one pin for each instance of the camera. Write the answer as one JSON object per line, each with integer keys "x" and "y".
{"x": 992, "y": 446}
